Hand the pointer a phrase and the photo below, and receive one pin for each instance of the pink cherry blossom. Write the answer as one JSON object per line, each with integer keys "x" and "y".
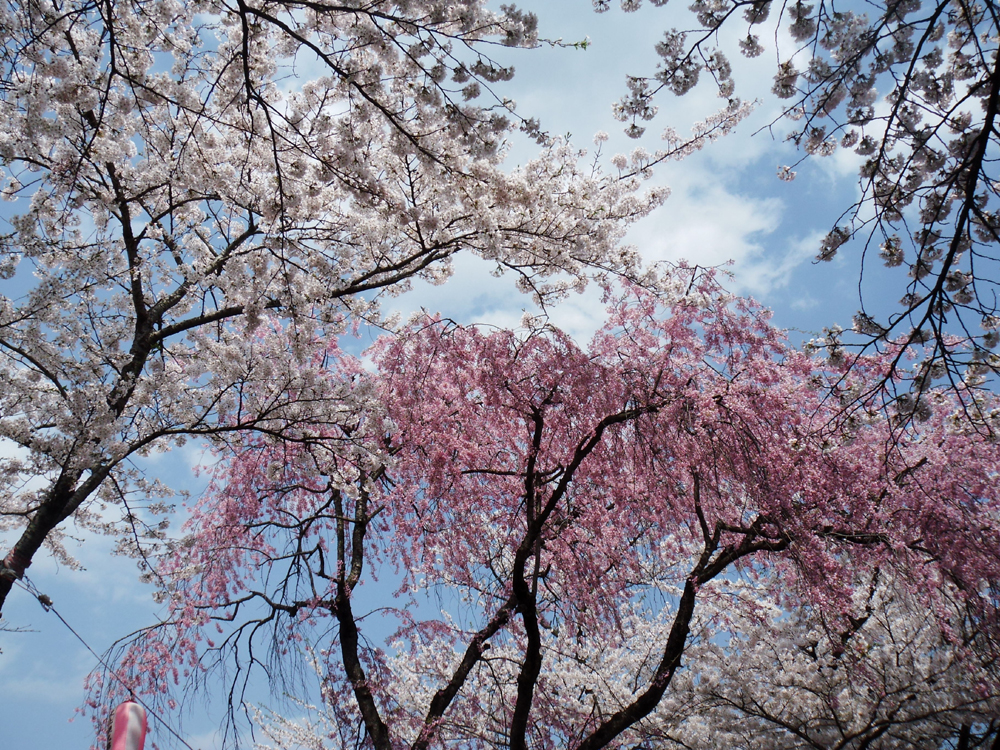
{"x": 591, "y": 546}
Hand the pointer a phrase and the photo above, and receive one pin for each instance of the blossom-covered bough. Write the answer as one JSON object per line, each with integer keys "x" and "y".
{"x": 646, "y": 542}
{"x": 914, "y": 89}
{"x": 177, "y": 170}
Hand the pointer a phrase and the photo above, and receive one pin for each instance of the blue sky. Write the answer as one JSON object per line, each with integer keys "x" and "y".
{"x": 726, "y": 203}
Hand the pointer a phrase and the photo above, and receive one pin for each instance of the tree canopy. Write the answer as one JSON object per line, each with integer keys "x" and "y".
{"x": 205, "y": 196}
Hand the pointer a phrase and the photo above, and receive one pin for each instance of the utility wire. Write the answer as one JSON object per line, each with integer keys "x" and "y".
{"x": 47, "y": 605}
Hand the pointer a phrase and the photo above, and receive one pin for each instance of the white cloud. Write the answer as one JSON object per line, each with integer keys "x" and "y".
{"x": 708, "y": 225}
{"x": 477, "y": 296}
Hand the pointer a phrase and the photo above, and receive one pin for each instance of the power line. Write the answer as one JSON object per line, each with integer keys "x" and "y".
{"x": 47, "y": 605}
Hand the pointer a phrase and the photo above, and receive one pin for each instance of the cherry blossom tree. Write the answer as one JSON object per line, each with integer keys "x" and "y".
{"x": 180, "y": 170}
{"x": 912, "y": 88}
{"x": 595, "y": 547}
